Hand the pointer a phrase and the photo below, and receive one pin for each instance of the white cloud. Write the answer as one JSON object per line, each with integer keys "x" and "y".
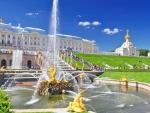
{"x": 86, "y": 23}
{"x": 36, "y": 13}
{"x": 29, "y": 14}
{"x": 96, "y": 23}
{"x": 87, "y": 27}
{"x": 108, "y": 31}
{"x": 79, "y": 16}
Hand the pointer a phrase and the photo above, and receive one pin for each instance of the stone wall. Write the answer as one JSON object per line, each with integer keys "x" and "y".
{"x": 26, "y": 58}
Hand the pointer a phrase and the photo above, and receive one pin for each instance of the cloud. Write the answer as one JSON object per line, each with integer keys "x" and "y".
{"x": 86, "y": 23}
{"x": 108, "y": 31}
{"x": 96, "y": 23}
{"x": 36, "y": 13}
{"x": 79, "y": 16}
{"x": 87, "y": 27}
{"x": 33, "y": 14}
{"x": 29, "y": 14}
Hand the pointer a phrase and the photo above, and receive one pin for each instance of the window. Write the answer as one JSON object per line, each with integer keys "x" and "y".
{"x": 3, "y": 35}
{"x": 13, "y": 42}
{"x": 43, "y": 39}
{"x": 18, "y": 42}
{"x": 34, "y": 38}
{"x": 25, "y": 43}
{"x": 18, "y": 38}
{"x": 8, "y": 36}
{"x": 60, "y": 46}
{"x": 30, "y": 43}
{"x": 8, "y": 42}
{"x": 38, "y": 43}
{"x": 13, "y": 37}
{"x": 35, "y": 43}
{"x": 3, "y": 41}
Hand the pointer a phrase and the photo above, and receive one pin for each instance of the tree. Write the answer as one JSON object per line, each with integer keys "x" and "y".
{"x": 143, "y": 52}
{"x": 112, "y": 51}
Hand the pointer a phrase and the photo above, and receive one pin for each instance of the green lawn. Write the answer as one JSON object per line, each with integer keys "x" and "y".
{"x": 114, "y": 61}
{"x": 136, "y": 76}
{"x": 35, "y": 112}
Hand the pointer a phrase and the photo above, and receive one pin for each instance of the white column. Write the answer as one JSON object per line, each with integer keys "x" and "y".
{"x": 11, "y": 36}
{"x": 6, "y": 38}
{"x": 28, "y": 42}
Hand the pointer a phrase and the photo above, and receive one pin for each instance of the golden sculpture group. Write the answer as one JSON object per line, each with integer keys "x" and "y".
{"x": 77, "y": 105}
{"x": 52, "y": 84}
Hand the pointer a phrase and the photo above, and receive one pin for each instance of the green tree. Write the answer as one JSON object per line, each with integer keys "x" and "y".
{"x": 143, "y": 52}
{"x": 5, "y": 103}
{"x": 112, "y": 51}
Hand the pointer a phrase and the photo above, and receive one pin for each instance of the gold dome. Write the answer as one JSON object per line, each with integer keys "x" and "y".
{"x": 127, "y": 36}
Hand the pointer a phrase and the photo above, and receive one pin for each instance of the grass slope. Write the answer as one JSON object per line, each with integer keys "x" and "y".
{"x": 114, "y": 61}
{"x": 136, "y": 76}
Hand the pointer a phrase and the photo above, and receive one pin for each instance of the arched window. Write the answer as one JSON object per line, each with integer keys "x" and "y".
{"x": 3, "y": 35}
{"x": 14, "y": 42}
{"x": 29, "y": 63}
{"x": 3, "y": 41}
{"x": 8, "y": 36}
{"x": 18, "y": 42}
{"x": 3, "y": 63}
{"x": 8, "y": 42}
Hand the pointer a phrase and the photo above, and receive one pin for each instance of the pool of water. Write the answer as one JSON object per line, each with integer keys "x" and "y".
{"x": 102, "y": 99}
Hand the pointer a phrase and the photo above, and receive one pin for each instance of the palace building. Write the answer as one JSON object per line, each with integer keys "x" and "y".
{"x": 30, "y": 38}
{"x": 127, "y": 48}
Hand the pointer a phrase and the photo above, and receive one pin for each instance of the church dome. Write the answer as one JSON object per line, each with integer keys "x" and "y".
{"x": 129, "y": 44}
{"x": 127, "y": 36}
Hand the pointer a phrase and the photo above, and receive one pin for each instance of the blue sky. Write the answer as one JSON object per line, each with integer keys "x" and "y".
{"x": 104, "y": 21}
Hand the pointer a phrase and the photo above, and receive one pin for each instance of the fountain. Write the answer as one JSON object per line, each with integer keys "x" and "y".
{"x": 17, "y": 59}
{"x": 102, "y": 98}
{"x": 53, "y": 86}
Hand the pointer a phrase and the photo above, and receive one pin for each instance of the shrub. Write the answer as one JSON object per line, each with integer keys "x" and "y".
{"x": 5, "y": 103}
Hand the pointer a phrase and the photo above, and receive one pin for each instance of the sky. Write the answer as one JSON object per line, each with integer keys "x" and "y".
{"x": 104, "y": 21}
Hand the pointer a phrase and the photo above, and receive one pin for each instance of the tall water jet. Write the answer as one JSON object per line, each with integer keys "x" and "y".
{"x": 17, "y": 59}
{"x": 53, "y": 28}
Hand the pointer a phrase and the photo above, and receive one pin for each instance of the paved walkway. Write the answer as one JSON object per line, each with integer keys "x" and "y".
{"x": 59, "y": 110}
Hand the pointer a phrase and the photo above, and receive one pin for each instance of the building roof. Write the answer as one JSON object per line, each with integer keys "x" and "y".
{"x": 18, "y": 29}
{"x": 73, "y": 37}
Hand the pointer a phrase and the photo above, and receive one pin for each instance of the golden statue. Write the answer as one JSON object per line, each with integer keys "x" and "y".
{"x": 52, "y": 76}
{"x": 124, "y": 79}
{"x": 11, "y": 51}
{"x": 2, "y": 69}
{"x": 77, "y": 105}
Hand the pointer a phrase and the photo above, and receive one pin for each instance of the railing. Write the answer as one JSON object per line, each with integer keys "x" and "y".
{"x": 22, "y": 67}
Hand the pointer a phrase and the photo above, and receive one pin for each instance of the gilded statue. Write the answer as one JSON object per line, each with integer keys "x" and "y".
{"x": 2, "y": 69}
{"x": 77, "y": 105}
{"x": 52, "y": 76}
{"x": 11, "y": 51}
